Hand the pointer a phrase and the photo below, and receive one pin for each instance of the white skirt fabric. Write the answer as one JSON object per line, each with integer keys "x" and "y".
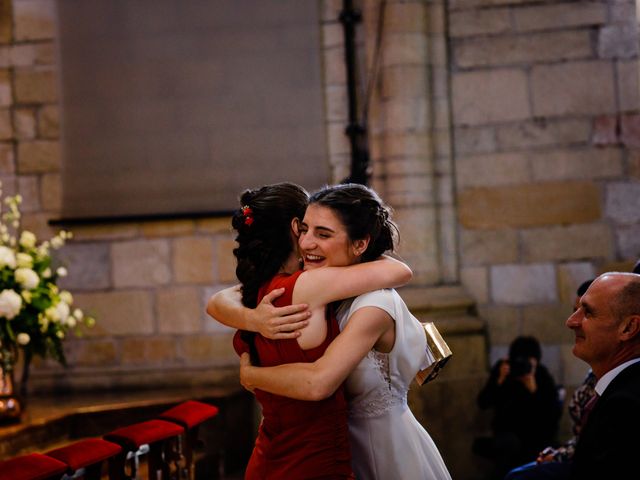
{"x": 394, "y": 446}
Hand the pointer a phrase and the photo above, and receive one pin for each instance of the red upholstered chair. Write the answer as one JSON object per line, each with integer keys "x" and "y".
{"x": 32, "y": 467}
{"x": 189, "y": 415}
{"x": 84, "y": 458}
{"x": 153, "y": 437}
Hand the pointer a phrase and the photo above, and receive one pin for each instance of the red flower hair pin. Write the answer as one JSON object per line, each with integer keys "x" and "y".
{"x": 247, "y": 213}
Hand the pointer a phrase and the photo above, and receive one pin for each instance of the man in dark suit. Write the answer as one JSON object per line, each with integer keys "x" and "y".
{"x": 607, "y": 337}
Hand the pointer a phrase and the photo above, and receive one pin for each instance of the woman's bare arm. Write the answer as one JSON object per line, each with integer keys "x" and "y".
{"x": 318, "y": 380}
{"x": 276, "y": 323}
{"x": 321, "y": 286}
{"x": 314, "y": 289}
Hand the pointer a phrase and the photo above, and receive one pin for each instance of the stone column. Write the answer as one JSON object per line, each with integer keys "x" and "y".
{"x": 409, "y": 127}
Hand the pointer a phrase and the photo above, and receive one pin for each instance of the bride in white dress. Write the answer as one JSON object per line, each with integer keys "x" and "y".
{"x": 380, "y": 349}
{"x": 387, "y": 442}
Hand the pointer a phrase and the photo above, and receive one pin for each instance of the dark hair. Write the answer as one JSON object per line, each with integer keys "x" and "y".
{"x": 584, "y": 286}
{"x": 636, "y": 267}
{"x": 363, "y": 214}
{"x": 525, "y": 346}
{"x": 264, "y": 234}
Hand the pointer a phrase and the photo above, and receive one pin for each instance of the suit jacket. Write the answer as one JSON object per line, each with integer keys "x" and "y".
{"x": 609, "y": 444}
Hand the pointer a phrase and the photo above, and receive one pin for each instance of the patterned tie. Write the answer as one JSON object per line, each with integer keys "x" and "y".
{"x": 588, "y": 407}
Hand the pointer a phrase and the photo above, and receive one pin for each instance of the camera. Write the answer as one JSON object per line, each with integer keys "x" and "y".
{"x": 519, "y": 366}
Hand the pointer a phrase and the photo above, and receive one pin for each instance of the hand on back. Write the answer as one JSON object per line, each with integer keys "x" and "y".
{"x": 278, "y": 323}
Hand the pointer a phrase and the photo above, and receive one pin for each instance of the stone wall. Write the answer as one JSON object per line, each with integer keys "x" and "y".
{"x": 146, "y": 283}
{"x": 544, "y": 99}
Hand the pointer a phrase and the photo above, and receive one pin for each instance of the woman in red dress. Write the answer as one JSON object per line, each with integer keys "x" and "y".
{"x": 299, "y": 439}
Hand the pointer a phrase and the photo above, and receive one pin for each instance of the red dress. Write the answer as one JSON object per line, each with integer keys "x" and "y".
{"x": 297, "y": 439}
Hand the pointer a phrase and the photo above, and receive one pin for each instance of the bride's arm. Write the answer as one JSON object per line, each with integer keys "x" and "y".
{"x": 321, "y": 286}
{"x": 324, "y": 285}
{"x": 276, "y": 323}
{"x": 318, "y": 380}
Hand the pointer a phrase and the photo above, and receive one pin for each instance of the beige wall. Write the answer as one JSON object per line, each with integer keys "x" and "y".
{"x": 504, "y": 133}
{"x": 545, "y": 108}
{"x": 146, "y": 283}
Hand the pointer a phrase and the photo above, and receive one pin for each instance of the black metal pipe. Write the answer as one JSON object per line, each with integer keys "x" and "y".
{"x": 356, "y": 131}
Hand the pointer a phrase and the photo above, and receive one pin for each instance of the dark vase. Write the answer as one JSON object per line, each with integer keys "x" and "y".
{"x": 24, "y": 378}
{"x": 10, "y": 405}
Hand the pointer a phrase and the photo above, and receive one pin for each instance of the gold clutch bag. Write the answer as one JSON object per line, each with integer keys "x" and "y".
{"x": 437, "y": 355}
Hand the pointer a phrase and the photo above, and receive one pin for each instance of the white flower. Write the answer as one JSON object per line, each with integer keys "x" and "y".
{"x": 43, "y": 249}
{"x": 7, "y": 257}
{"x": 27, "y": 296}
{"x": 23, "y": 338}
{"x": 27, "y": 278}
{"x": 24, "y": 260}
{"x": 66, "y": 297}
{"x": 52, "y": 314}
{"x": 57, "y": 242}
{"x": 10, "y": 304}
{"x": 78, "y": 314}
{"x": 43, "y": 321}
{"x": 27, "y": 239}
{"x": 46, "y": 273}
{"x": 62, "y": 310}
{"x": 62, "y": 272}
{"x": 71, "y": 321}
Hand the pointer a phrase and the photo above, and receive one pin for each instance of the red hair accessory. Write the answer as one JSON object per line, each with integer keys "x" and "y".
{"x": 247, "y": 213}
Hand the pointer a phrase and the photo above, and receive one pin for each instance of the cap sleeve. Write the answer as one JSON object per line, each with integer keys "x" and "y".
{"x": 382, "y": 299}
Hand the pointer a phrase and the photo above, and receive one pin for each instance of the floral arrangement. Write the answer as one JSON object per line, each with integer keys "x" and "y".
{"x": 35, "y": 315}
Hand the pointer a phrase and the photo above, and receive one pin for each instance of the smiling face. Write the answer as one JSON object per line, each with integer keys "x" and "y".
{"x": 324, "y": 241}
{"x": 596, "y": 326}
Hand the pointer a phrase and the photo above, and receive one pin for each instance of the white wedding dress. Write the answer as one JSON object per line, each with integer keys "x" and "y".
{"x": 387, "y": 442}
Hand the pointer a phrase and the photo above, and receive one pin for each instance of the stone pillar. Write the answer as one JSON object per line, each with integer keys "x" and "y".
{"x": 408, "y": 126}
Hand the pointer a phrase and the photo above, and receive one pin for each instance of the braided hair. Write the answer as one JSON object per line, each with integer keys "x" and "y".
{"x": 263, "y": 226}
{"x": 363, "y": 213}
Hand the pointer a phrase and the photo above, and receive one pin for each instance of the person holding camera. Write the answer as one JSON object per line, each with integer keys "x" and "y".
{"x": 526, "y": 405}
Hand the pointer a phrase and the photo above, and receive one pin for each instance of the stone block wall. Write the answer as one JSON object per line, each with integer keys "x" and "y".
{"x": 146, "y": 283}
{"x": 409, "y": 129}
{"x": 544, "y": 107}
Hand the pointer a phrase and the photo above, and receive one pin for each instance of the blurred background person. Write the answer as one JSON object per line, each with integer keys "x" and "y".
{"x": 526, "y": 407}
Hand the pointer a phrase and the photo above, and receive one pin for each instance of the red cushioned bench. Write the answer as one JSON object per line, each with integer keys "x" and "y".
{"x": 189, "y": 415}
{"x": 32, "y": 467}
{"x": 85, "y": 458}
{"x": 154, "y": 437}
